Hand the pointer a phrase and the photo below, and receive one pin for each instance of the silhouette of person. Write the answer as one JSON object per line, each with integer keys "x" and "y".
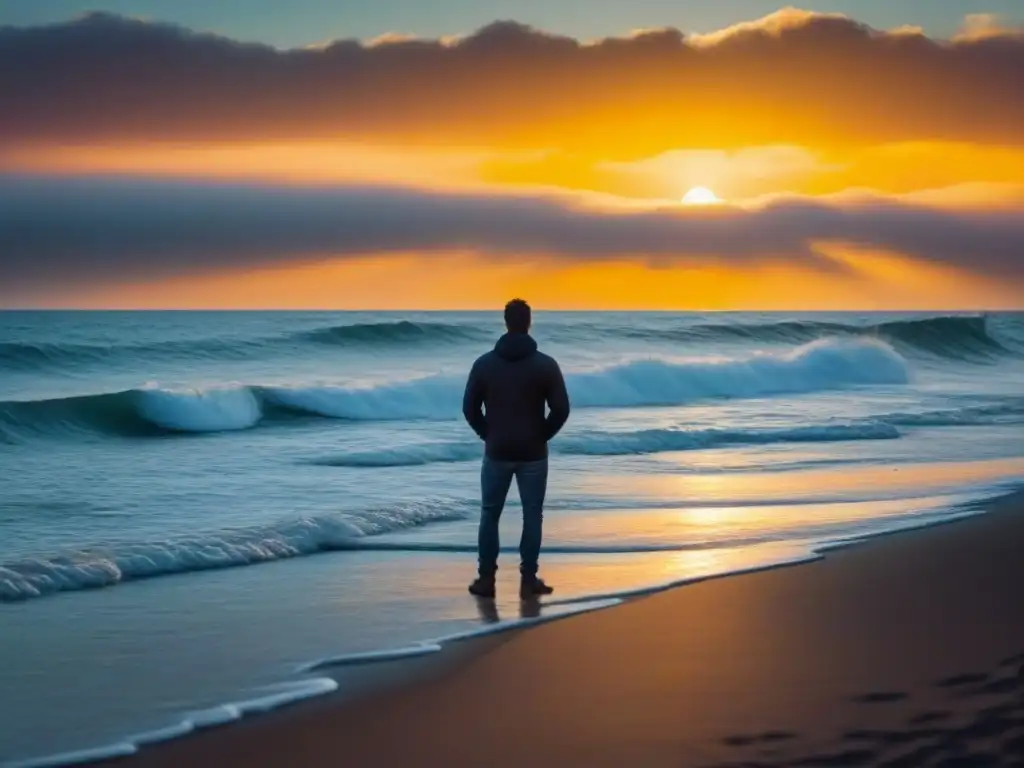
{"x": 506, "y": 394}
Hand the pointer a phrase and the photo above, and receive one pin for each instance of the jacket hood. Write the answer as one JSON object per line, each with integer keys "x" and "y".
{"x": 515, "y": 346}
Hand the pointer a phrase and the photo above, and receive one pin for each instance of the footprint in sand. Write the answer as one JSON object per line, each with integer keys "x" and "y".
{"x": 971, "y": 678}
{"x": 1001, "y": 685}
{"x": 772, "y": 737}
{"x": 931, "y": 716}
{"x": 1013, "y": 661}
{"x": 852, "y": 757}
{"x": 768, "y": 737}
{"x": 897, "y": 738}
{"x": 738, "y": 741}
{"x": 880, "y": 697}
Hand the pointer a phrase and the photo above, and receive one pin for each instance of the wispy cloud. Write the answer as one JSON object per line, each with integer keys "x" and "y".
{"x": 94, "y": 230}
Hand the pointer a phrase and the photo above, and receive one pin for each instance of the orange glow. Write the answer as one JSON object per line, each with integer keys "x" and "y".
{"x": 752, "y": 485}
{"x": 932, "y": 173}
{"x": 738, "y": 174}
{"x": 464, "y": 281}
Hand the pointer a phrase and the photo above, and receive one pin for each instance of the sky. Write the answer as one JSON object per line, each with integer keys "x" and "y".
{"x": 305, "y": 22}
{"x": 231, "y": 154}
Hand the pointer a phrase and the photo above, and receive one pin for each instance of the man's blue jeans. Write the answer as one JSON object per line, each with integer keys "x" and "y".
{"x": 495, "y": 480}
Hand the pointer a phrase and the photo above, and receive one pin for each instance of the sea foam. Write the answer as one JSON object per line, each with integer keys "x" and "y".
{"x": 106, "y": 566}
{"x": 211, "y": 410}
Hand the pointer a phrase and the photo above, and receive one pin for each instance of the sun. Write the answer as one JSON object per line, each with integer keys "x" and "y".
{"x": 700, "y": 196}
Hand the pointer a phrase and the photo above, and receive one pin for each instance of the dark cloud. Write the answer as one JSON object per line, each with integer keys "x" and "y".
{"x": 59, "y": 231}
{"x": 794, "y": 77}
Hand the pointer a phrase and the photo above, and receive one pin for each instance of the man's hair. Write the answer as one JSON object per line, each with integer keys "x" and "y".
{"x": 517, "y": 316}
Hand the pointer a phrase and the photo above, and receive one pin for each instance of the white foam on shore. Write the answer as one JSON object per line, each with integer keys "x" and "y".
{"x": 371, "y": 657}
{"x": 578, "y": 607}
{"x": 120, "y": 749}
{"x": 426, "y": 647}
{"x": 279, "y": 696}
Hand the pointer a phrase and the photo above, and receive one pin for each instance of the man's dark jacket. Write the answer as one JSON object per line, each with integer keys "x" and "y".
{"x": 505, "y": 398}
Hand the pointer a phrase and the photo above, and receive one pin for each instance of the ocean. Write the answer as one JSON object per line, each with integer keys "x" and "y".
{"x": 208, "y": 514}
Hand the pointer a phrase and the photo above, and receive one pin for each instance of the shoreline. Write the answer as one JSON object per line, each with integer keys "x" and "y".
{"x": 394, "y": 683}
{"x": 352, "y": 676}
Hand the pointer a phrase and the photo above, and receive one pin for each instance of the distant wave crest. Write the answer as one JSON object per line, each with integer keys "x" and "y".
{"x": 955, "y": 337}
{"x": 649, "y": 441}
{"x": 821, "y": 365}
{"x": 882, "y": 427}
{"x": 38, "y": 355}
{"x": 1010, "y": 410}
{"x": 400, "y": 332}
{"x": 958, "y": 337}
{"x": 622, "y": 443}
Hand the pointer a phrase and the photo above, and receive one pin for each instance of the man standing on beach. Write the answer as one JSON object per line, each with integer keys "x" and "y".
{"x": 504, "y": 403}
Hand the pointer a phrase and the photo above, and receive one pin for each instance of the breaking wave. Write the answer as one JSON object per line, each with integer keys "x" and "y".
{"x": 133, "y": 413}
{"x": 827, "y": 364}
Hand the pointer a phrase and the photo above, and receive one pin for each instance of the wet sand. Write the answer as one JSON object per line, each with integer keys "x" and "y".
{"x": 902, "y": 651}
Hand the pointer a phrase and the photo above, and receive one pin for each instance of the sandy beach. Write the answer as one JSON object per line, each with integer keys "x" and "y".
{"x": 902, "y": 651}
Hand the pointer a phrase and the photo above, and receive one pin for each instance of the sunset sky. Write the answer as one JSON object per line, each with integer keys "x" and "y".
{"x": 189, "y": 154}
